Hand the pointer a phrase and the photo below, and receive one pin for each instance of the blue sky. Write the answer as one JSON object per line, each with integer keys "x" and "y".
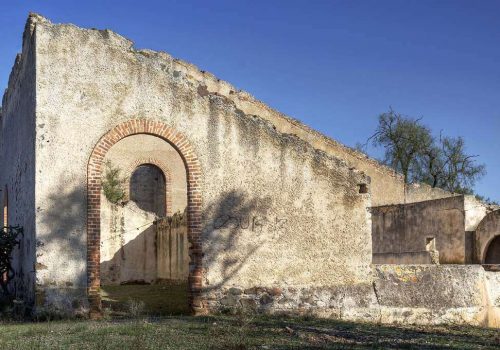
{"x": 335, "y": 65}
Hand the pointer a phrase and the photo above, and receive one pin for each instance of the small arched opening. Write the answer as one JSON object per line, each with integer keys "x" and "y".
{"x": 492, "y": 255}
{"x": 148, "y": 189}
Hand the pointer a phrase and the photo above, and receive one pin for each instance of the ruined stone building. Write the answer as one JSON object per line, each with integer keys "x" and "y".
{"x": 456, "y": 229}
{"x": 135, "y": 174}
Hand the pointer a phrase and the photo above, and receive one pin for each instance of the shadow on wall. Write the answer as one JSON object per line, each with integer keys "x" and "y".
{"x": 155, "y": 254}
{"x": 230, "y": 237}
{"x": 228, "y": 220}
{"x": 134, "y": 262}
{"x": 157, "y": 279}
{"x": 61, "y": 247}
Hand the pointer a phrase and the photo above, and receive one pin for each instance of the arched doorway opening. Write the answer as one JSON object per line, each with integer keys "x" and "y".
{"x": 492, "y": 255}
{"x": 191, "y": 167}
{"x": 144, "y": 254}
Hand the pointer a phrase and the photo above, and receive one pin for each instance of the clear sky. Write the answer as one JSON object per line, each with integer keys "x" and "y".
{"x": 335, "y": 65}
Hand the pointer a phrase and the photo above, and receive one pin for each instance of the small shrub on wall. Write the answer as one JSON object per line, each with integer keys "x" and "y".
{"x": 113, "y": 184}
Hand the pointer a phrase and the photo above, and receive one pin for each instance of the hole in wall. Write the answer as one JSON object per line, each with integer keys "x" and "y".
{"x": 430, "y": 244}
{"x": 363, "y": 188}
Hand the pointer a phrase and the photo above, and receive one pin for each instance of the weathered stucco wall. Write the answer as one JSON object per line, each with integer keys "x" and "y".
{"x": 17, "y": 155}
{"x": 419, "y": 192}
{"x": 387, "y": 186}
{"x": 475, "y": 211}
{"x": 492, "y": 289}
{"x": 406, "y": 228}
{"x": 128, "y": 244}
{"x": 275, "y": 210}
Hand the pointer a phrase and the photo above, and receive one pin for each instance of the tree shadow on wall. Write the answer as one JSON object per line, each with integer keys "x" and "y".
{"x": 235, "y": 227}
{"x": 61, "y": 244}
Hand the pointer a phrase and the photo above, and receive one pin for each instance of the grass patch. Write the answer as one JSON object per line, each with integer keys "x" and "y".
{"x": 157, "y": 299}
{"x": 239, "y": 332}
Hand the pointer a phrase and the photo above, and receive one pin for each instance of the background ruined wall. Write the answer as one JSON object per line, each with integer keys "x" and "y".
{"x": 17, "y": 155}
{"x": 404, "y": 228}
{"x": 461, "y": 225}
{"x": 276, "y": 211}
{"x": 487, "y": 232}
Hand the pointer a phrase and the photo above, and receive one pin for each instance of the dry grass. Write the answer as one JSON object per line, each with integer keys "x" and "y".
{"x": 239, "y": 332}
{"x": 158, "y": 299}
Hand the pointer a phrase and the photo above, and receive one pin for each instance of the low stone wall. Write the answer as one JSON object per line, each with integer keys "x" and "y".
{"x": 430, "y": 294}
{"x": 422, "y": 257}
{"x": 399, "y": 294}
{"x": 356, "y": 302}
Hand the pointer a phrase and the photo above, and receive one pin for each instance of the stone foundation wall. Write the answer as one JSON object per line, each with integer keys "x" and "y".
{"x": 345, "y": 302}
{"x": 401, "y": 294}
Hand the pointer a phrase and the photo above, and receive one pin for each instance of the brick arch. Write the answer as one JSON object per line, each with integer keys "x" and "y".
{"x": 94, "y": 177}
{"x": 166, "y": 171}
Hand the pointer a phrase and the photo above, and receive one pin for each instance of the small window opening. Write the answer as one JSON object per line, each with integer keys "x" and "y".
{"x": 363, "y": 188}
{"x": 430, "y": 244}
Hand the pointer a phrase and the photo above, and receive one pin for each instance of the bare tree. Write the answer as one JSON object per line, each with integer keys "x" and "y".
{"x": 404, "y": 140}
{"x": 459, "y": 170}
{"x": 411, "y": 150}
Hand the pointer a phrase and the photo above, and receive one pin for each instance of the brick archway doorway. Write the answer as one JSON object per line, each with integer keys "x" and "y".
{"x": 94, "y": 178}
